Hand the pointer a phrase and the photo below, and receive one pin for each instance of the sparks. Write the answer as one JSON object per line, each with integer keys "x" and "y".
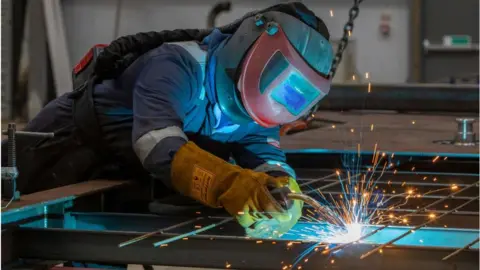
{"x": 345, "y": 216}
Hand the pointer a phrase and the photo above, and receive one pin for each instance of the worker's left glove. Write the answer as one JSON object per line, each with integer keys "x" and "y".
{"x": 280, "y": 221}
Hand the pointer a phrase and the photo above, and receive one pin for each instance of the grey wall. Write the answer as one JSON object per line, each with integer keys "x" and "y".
{"x": 387, "y": 60}
{"x": 446, "y": 17}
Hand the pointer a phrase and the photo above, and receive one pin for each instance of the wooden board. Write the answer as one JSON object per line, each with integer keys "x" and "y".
{"x": 391, "y": 131}
{"x": 76, "y": 190}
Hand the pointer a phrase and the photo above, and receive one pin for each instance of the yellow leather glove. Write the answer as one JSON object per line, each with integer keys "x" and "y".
{"x": 243, "y": 193}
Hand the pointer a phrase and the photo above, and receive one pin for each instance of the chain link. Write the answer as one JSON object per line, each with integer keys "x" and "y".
{"x": 347, "y": 30}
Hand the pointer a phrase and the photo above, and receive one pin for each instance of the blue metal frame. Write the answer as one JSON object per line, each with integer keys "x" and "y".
{"x": 91, "y": 242}
{"x": 416, "y": 154}
{"x": 41, "y": 210}
{"x": 426, "y": 237}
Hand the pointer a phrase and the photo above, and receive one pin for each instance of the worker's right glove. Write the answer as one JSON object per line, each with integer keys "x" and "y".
{"x": 245, "y": 194}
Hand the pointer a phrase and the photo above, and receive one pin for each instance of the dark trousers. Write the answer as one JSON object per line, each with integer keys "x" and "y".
{"x": 65, "y": 159}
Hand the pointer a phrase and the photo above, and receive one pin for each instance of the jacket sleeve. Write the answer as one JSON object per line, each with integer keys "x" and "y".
{"x": 260, "y": 151}
{"x": 160, "y": 97}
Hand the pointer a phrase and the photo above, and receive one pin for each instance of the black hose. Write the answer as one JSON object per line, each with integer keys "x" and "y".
{"x": 215, "y": 11}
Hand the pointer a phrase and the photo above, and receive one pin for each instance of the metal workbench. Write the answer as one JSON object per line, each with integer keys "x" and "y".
{"x": 94, "y": 236}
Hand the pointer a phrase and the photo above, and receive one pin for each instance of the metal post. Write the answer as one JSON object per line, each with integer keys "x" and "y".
{"x": 6, "y": 85}
{"x": 465, "y": 134}
{"x": 416, "y": 33}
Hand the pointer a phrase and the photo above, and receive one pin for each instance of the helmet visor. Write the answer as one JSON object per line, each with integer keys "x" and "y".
{"x": 277, "y": 85}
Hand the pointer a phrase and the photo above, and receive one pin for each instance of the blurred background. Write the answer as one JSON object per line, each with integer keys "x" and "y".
{"x": 393, "y": 41}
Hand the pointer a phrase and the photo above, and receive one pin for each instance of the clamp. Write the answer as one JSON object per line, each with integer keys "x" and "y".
{"x": 10, "y": 173}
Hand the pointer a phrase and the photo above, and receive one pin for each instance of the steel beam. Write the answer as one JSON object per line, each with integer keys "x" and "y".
{"x": 403, "y": 97}
{"x": 215, "y": 251}
{"x": 169, "y": 225}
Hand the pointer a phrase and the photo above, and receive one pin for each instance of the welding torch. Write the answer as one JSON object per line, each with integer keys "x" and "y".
{"x": 285, "y": 197}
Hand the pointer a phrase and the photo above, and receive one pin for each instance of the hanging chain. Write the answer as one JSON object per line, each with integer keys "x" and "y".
{"x": 347, "y": 31}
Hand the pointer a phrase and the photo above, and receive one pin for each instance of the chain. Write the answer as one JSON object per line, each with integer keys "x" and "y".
{"x": 347, "y": 31}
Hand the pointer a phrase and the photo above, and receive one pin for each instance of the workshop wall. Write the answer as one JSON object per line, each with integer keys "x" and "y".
{"x": 386, "y": 59}
{"x": 448, "y": 65}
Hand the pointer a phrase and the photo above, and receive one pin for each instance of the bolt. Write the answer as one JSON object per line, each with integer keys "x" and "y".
{"x": 465, "y": 135}
{"x": 11, "y": 145}
{"x": 259, "y": 20}
{"x": 272, "y": 28}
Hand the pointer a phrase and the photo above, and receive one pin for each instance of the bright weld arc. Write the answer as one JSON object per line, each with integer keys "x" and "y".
{"x": 346, "y": 217}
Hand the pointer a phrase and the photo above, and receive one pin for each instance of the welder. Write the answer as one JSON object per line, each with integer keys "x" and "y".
{"x": 184, "y": 112}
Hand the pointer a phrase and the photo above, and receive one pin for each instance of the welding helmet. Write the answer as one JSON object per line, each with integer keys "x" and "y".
{"x": 274, "y": 68}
